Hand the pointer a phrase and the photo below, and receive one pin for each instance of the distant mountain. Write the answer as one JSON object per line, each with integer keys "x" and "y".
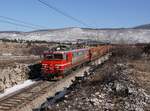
{"x": 16, "y": 32}
{"x": 120, "y": 35}
{"x": 146, "y": 26}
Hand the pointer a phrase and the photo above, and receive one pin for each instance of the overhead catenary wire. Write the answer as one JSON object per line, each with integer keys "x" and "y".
{"x": 16, "y": 24}
{"x": 23, "y": 22}
{"x": 63, "y": 13}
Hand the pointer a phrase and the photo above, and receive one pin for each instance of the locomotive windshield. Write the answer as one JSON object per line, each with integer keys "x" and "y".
{"x": 54, "y": 56}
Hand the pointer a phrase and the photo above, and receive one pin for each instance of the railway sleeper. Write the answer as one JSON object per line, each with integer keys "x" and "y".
{"x": 7, "y": 104}
{"x": 18, "y": 98}
{"x": 16, "y": 101}
{"x": 34, "y": 96}
{"x": 27, "y": 95}
{"x": 27, "y": 101}
{"x": 5, "y": 108}
{"x": 36, "y": 89}
{"x": 41, "y": 92}
{"x": 31, "y": 92}
{"x": 12, "y": 102}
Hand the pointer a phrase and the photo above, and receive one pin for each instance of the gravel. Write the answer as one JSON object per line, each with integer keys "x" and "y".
{"x": 109, "y": 87}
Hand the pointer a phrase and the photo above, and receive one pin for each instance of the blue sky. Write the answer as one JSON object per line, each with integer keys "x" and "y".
{"x": 96, "y": 13}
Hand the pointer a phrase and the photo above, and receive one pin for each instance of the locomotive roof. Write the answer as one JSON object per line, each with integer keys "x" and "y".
{"x": 62, "y": 52}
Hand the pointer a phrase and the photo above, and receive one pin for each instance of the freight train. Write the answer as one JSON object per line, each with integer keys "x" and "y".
{"x": 57, "y": 63}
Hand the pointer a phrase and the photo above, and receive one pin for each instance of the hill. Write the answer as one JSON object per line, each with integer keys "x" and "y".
{"x": 146, "y": 26}
{"x": 122, "y": 35}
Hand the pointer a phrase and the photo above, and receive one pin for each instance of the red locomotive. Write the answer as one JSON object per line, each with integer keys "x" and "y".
{"x": 58, "y": 63}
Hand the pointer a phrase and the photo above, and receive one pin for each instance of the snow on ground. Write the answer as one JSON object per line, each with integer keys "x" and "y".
{"x": 17, "y": 87}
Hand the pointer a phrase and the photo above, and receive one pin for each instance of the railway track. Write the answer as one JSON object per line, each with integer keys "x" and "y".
{"x": 23, "y": 96}
{"x": 32, "y": 96}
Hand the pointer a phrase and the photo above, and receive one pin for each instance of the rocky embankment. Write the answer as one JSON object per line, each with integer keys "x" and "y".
{"x": 12, "y": 75}
{"x": 16, "y": 59}
{"x": 116, "y": 91}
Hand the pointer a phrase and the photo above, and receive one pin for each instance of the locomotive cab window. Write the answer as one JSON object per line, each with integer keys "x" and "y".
{"x": 58, "y": 56}
{"x": 49, "y": 56}
{"x": 55, "y": 57}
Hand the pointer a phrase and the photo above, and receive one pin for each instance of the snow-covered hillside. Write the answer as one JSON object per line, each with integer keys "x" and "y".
{"x": 71, "y": 34}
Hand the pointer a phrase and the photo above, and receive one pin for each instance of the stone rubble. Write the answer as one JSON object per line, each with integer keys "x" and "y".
{"x": 13, "y": 75}
{"x": 118, "y": 92}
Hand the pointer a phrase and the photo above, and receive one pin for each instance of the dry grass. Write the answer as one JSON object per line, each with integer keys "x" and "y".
{"x": 128, "y": 52}
{"x": 141, "y": 74}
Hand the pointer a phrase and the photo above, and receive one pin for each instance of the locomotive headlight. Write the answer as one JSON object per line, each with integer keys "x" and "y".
{"x": 44, "y": 65}
{"x": 57, "y": 66}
